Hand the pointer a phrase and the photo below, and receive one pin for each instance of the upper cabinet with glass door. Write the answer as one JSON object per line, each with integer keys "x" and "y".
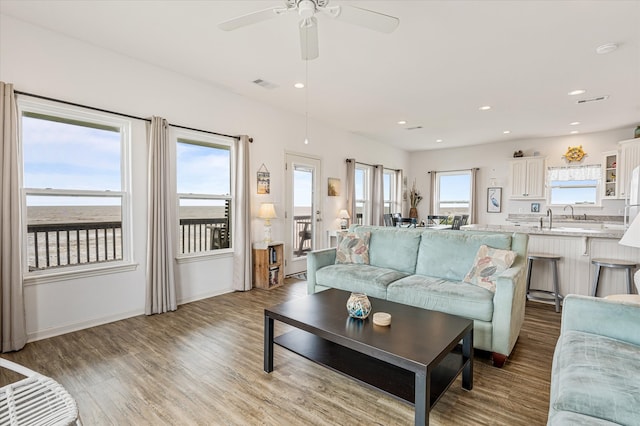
{"x": 610, "y": 178}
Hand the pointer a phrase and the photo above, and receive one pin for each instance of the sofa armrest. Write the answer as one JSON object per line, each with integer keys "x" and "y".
{"x": 508, "y": 308}
{"x": 611, "y": 318}
{"x": 317, "y": 260}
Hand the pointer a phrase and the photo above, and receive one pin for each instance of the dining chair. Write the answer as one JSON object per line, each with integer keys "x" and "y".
{"x": 457, "y": 222}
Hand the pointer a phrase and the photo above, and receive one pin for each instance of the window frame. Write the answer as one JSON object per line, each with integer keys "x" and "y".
{"x": 390, "y": 204}
{"x": 436, "y": 196}
{"x": 598, "y": 186}
{"x": 71, "y": 114}
{"x": 366, "y": 192}
{"x": 205, "y": 139}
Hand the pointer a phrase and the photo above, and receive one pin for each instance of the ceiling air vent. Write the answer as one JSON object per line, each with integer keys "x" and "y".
{"x": 414, "y": 128}
{"x": 596, "y": 99}
{"x": 263, "y": 83}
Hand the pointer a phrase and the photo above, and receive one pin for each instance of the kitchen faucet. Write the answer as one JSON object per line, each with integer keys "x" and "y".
{"x": 571, "y": 207}
{"x": 550, "y": 214}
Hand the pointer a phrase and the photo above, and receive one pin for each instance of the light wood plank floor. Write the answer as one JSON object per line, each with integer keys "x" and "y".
{"x": 202, "y": 365}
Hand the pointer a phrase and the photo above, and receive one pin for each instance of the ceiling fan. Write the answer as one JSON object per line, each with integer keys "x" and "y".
{"x": 307, "y": 9}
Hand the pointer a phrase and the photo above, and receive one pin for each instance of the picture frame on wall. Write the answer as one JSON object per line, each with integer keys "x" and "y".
{"x": 264, "y": 180}
{"x": 494, "y": 200}
{"x": 535, "y": 207}
{"x": 333, "y": 189}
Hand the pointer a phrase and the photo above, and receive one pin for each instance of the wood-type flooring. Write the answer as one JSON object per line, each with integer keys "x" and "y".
{"x": 203, "y": 365}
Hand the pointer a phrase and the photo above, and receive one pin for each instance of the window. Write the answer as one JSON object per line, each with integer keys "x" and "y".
{"x": 75, "y": 186}
{"x": 363, "y": 199}
{"x": 574, "y": 185}
{"x": 389, "y": 183}
{"x": 203, "y": 181}
{"x": 453, "y": 193}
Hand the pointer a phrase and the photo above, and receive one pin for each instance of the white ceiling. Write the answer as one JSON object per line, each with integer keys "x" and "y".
{"x": 444, "y": 61}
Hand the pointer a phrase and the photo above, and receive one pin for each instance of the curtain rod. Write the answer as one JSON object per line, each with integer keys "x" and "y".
{"x": 449, "y": 171}
{"x": 18, "y": 92}
{"x": 372, "y": 165}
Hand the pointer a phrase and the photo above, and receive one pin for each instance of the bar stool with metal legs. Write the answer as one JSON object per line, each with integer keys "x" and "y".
{"x": 615, "y": 264}
{"x": 555, "y": 293}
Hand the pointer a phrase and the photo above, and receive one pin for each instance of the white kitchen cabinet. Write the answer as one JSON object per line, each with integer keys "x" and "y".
{"x": 527, "y": 178}
{"x": 628, "y": 160}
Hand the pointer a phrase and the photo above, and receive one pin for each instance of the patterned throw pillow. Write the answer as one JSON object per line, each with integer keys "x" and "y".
{"x": 354, "y": 248}
{"x": 490, "y": 262}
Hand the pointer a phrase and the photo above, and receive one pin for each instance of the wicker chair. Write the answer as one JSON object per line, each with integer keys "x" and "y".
{"x": 35, "y": 400}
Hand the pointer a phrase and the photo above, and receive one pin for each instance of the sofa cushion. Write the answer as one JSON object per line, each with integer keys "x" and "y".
{"x": 394, "y": 248}
{"x": 596, "y": 376}
{"x": 450, "y": 254}
{"x": 452, "y": 297}
{"x": 353, "y": 248}
{"x": 564, "y": 418}
{"x": 488, "y": 264}
{"x": 371, "y": 280}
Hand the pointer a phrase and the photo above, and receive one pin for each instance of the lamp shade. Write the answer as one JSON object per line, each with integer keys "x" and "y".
{"x": 267, "y": 211}
{"x": 343, "y": 214}
{"x": 631, "y": 238}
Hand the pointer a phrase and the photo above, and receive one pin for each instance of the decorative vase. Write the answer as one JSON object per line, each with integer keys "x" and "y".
{"x": 413, "y": 213}
{"x": 358, "y": 305}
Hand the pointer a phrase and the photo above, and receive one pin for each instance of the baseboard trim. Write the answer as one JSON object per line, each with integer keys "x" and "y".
{"x": 70, "y": 328}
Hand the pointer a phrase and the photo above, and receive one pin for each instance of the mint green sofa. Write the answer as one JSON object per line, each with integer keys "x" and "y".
{"x": 595, "y": 378}
{"x": 425, "y": 268}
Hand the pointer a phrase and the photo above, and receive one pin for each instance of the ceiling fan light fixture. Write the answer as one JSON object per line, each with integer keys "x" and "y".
{"x": 306, "y": 9}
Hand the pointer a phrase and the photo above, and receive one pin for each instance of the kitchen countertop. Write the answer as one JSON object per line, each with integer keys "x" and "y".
{"x": 562, "y": 231}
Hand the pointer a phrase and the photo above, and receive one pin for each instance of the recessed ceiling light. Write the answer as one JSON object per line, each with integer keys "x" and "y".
{"x": 299, "y": 85}
{"x": 577, "y": 92}
{"x": 485, "y": 108}
{"x": 606, "y": 48}
{"x": 402, "y": 122}
{"x": 573, "y": 132}
{"x": 438, "y": 140}
{"x": 575, "y": 123}
{"x": 506, "y": 132}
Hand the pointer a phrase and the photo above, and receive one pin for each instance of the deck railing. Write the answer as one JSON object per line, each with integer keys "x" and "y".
{"x": 302, "y": 234}
{"x": 62, "y": 244}
{"x": 52, "y": 245}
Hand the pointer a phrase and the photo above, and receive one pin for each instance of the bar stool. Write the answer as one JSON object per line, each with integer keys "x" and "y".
{"x": 555, "y": 294}
{"x": 615, "y": 264}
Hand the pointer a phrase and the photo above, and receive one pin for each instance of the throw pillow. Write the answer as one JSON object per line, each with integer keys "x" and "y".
{"x": 354, "y": 248}
{"x": 489, "y": 263}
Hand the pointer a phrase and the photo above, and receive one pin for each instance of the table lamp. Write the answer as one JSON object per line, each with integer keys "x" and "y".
{"x": 267, "y": 212}
{"x": 344, "y": 219}
{"x": 631, "y": 238}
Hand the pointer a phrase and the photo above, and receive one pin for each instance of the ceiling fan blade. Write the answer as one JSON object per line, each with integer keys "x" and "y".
{"x": 250, "y": 18}
{"x": 309, "y": 38}
{"x": 365, "y": 18}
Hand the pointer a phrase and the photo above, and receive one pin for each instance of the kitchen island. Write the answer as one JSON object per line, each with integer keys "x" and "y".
{"x": 577, "y": 246}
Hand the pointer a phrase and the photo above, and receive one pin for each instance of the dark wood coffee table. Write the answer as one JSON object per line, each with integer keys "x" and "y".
{"x": 415, "y": 359}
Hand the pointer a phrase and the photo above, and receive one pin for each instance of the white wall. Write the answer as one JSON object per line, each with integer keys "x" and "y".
{"x": 493, "y": 161}
{"x": 45, "y": 63}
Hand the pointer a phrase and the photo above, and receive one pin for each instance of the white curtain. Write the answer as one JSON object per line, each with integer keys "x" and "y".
{"x": 242, "y": 217}
{"x": 399, "y": 192}
{"x": 12, "y": 313}
{"x": 586, "y": 172}
{"x": 351, "y": 189}
{"x": 161, "y": 286}
{"x": 377, "y": 195}
{"x": 473, "y": 202}
{"x": 433, "y": 182}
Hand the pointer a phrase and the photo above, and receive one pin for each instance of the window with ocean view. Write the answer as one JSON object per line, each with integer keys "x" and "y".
{"x": 74, "y": 186}
{"x": 453, "y": 193}
{"x": 203, "y": 179}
